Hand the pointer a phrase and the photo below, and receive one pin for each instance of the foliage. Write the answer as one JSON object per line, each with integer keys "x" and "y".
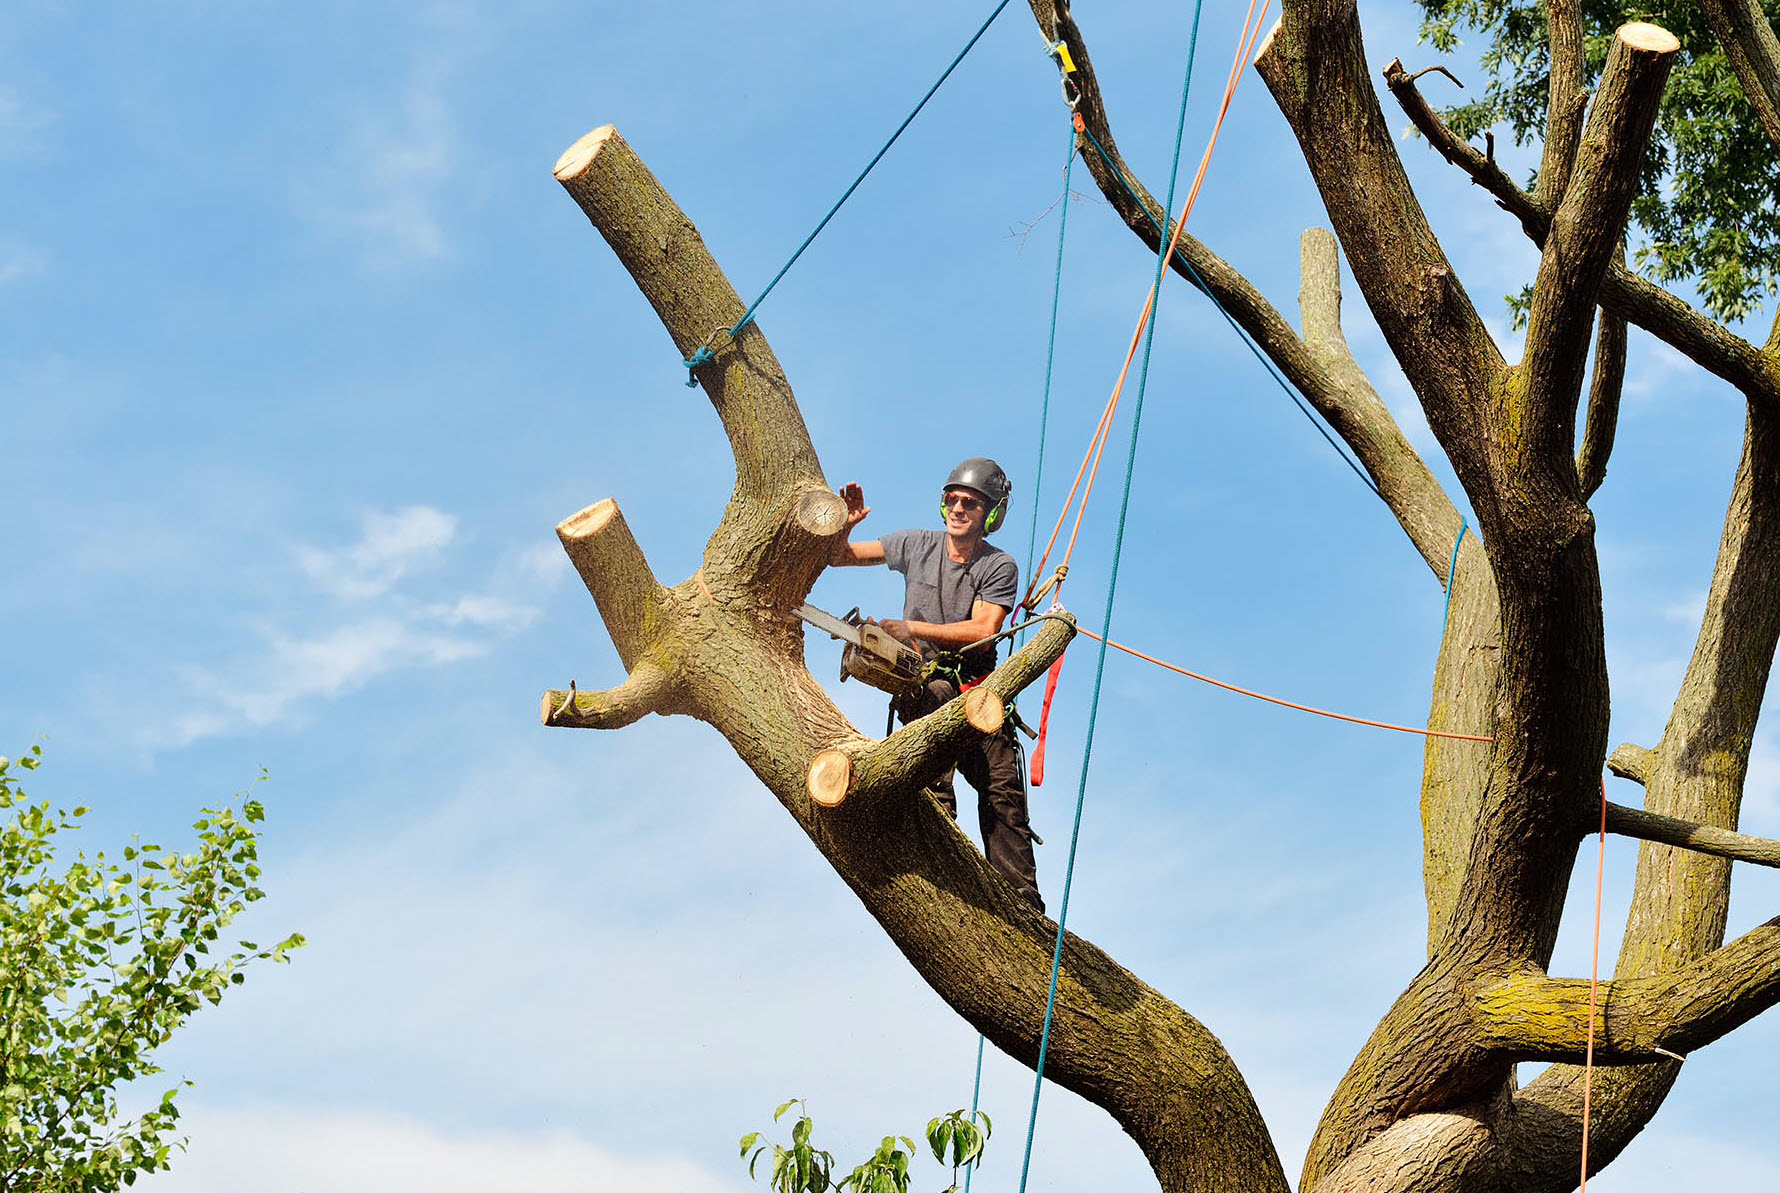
{"x": 98, "y": 965}
{"x": 1706, "y": 203}
{"x": 805, "y": 1168}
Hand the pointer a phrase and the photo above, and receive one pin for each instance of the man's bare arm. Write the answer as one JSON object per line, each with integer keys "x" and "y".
{"x": 985, "y": 619}
{"x": 845, "y": 552}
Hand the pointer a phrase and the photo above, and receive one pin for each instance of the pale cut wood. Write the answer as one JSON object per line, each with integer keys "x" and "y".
{"x": 831, "y": 774}
{"x": 578, "y": 156}
{"x": 984, "y": 710}
{"x": 617, "y": 576}
{"x": 1652, "y": 39}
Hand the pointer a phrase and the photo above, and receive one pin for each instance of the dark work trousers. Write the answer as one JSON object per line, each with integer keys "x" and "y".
{"x": 992, "y": 767}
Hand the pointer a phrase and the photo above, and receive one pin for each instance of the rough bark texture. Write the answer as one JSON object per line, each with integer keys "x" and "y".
{"x": 724, "y": 646}
{"x": 1429, "y": 1103}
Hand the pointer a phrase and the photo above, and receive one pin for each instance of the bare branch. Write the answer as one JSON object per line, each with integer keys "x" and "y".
{"x": 1624, "y": 293}
{"x": 921, "y": 751}
{"x": 1566, "y": 100}
{"x": 1603, "y": 402}
{"x": 1754, "y": 53}
{"x": 736, "y": 654}
{"x": 1701, "y": 838}
{"x": 1630, "y": 762}
{"x": 648, "y": 689}
{"x": 1480, "y": 168}
{"x": 1341, "y": 395}
{"x": 1695, "y": 774}
{"x": 1533, "y": 1017}
{"x": 1587, "y": 229}
{"x": 664, "y": 254}
{"x": 618, "y": 577}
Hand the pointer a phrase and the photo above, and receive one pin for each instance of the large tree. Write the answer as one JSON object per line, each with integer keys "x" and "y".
{"x": 1431, "y": 1101}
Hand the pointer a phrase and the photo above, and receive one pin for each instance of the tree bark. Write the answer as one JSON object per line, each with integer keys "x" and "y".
{"x": 734, "y": 652}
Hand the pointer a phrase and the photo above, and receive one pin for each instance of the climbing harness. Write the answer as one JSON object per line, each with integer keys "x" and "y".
{"x": 707, "y": 351}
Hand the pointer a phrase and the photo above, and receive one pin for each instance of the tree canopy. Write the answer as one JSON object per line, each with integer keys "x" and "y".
{"x": 102, "y": 958}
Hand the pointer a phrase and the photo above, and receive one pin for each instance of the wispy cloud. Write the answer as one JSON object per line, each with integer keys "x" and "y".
{"x": 359, "y": 627}
{"x": 398, "y": 156}
{"x": 389, "y": 545}
{"x": 335, "y": 1153}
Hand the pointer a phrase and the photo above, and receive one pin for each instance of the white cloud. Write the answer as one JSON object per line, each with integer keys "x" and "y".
{"x": 400, "y": 153}
{"x": 389, "y": 545}
{"x": 327, "y": 649}
{"x": 280, "y": 1148}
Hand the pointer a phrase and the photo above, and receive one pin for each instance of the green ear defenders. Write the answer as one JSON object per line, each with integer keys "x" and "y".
{"x": 981, "y": 475}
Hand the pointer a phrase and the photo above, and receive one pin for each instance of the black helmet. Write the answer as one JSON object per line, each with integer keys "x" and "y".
{"x": 983, "y": 475}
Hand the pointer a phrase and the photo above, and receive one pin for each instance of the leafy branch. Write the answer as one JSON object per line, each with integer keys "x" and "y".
{"x": 802, "y": 1167}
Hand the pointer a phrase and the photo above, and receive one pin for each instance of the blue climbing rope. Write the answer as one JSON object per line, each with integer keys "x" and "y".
{"x": 1452, "y": 570}
{"x": 1044, "y": 1039}
{"x": 1193, "y": 275}
{"x": 976, "y": 1090}
{"x": 705, "y": 352}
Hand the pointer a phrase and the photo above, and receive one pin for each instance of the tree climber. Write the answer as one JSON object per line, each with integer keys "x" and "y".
{"x": 958, "y": 591}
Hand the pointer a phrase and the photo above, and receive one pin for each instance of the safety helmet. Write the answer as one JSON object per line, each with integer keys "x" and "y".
{"x": 982, "y": 475}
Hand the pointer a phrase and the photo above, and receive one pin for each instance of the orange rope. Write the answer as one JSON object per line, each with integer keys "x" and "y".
{"x": 1097, "y": 443}
{"x": 1594, "y": 969}
{"x": 1321, "y": 712}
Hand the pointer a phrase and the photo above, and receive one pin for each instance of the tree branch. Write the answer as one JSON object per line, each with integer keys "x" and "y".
{"x": 1482, "y": 170}
{"x": 728, "y": 637}
{"x": 1533, "y": 1017}
{"x": 1335, "y": 388}
{"x": 1701, "y": 838}
{"x": 606, "y": 556}
{"x": 920, "y": 752}
{"x": 1754, "y": 53}
{"x": 1695, "y": 774}
{"x": 647, "y": 689}
{"x": 1587, "y": 229}
{"x": 1603, "y": 402}
{"x": 1623, "y": 293}
{"x": 1630, "y": 762}
{"x": 775, "y": 462}
{"x": 1566, "y": 101}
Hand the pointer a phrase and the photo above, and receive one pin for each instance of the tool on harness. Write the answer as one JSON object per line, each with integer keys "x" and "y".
{"x": 870, "y": 655}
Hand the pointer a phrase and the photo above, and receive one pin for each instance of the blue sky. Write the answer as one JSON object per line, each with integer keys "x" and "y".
{"x": 305, "y": 353}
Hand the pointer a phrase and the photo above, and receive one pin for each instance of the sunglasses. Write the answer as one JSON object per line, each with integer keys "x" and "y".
{"x": 968, "y": 504}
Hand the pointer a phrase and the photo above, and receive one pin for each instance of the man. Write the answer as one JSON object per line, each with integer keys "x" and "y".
{"x": 958, "y": 591}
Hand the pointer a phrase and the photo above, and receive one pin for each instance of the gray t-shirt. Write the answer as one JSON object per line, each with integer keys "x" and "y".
{"x": 941, "y": 591}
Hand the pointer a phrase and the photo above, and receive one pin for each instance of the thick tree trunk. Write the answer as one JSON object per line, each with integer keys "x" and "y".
{"x": 725, "y": 647}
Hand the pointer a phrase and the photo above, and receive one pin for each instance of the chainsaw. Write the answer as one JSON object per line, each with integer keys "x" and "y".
{"x": 870, "y": 655}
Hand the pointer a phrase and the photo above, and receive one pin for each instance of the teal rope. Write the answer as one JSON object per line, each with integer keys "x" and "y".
{"x": 1199, "y": 282}
{"x": 976, "y": 1089}
{"x": 1044, "y": 1039}
{"x": 1451, "y": 572}
{"x": 705, "y": 353}
{"x": 1044, "y": 416}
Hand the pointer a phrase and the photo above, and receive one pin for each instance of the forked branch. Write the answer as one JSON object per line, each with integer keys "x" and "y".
{"x": 1638, "y": 300}
{"x": 1533, "y": 1017}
